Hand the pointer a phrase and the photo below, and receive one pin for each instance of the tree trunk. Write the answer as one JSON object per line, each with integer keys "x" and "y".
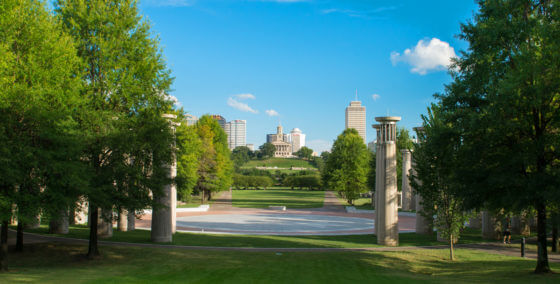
{"x": 93, "y": 251}
{"x": 4, "y": 246}
{"x": 202, "y": 199}
{"x": 555, "y": 235}
{"x": 19, "y": 237}
{"x": 542, "y": 255}
{"x": 451, "y": 257}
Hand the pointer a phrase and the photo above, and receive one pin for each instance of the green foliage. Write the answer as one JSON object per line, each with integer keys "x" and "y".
{"x": 304, "y": 153}
{"x": 215, "y": 169}
{"x": 303, "y": 181}
{"x": 266, "y": 150}
{"x": 241, "y": 155}
{"x": 348, "y": 165}
{"x": 256, "y": 182}
{"x": 189, "y": 148}
{"x": 436, "y": 159}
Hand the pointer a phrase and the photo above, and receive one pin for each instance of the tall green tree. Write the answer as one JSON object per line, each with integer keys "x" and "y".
{"x": 215, "y": 169}
{"x": 128, "y": 143}
{"x": 189, "y": 147}
{"x": 348, "y": 165}
{"x": 436, "y": 159}
{"x": 38, "y": 97}
{"x": 241, "y": 155}
{"x": 505, "y": 99}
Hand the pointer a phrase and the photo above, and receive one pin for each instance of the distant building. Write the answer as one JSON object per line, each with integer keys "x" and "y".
{"x": 297, "y": 139}
{"x": 251, "y": 147}
{"x": 356, "y": 118}
{"x": 236, "y": 131}
{"x": 191, "y": 119}
{"x": 221, "y": 120}
{"x": 371, "y": 146}
{"x": 280, "y": 142}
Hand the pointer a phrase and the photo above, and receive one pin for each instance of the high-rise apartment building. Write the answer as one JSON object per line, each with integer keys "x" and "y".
{"x": 236, "y": 131}
{"x": 356, "y": 118}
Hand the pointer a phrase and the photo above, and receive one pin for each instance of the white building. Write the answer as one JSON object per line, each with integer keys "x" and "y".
{"x": 236, "y": 131}
{"x": 191, "y": 119}
{"x": 356, "y": 118}
{"x": 297, "y": 139}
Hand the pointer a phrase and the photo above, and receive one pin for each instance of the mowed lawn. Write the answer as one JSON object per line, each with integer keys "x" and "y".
{"x": 59, "y": 263}
{"x": 276, "y": 197}
{"x": 279, "y": 162}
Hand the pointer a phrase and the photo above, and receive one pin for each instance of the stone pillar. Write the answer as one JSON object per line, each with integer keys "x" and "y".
{"x": 490, "y": 228}
{"x": 423, "y": 224}
{"x": 475, "y": 222}
{"x": 59, "y": 223}
{"x": 122, "y": 223}
{"x": 407, "y": 204}
{"x": 105, "y": 223}
{"x": 378, "y": 174}
{"x": 519, "y": 225}
{"x": 164, "y": 219}
{"x": 131, "y": 221}
{"x": 387, "y": 217}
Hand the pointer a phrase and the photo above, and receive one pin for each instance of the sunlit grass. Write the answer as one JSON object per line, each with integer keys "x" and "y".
{"x": 274, "y": 197}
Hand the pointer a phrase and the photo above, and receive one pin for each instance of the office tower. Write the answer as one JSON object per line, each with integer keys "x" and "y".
{"x": 221, "y": 120}
{"x": 356, "y": 118}
{"x": 236, "y": 131}
{"x": 297, "y": 139}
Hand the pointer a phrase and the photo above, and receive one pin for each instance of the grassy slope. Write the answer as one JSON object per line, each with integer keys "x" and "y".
{"x": 54, "y": 263}
{"x": 289, "y": 198}
{"x": 279, "y": 162}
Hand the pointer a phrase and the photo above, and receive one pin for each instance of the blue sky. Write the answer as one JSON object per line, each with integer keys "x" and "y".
{"x": 301, "y": 61}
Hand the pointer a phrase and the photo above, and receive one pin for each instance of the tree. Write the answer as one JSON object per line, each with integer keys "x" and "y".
{"x": 128, "y": 143}
{"x": 241, "y": 155}
{"x": 436, "y": 159}
{"x": 215, "y": 170}
{"x": 267, "y": 150}
{"x": 188, "y": 155}
{"x": 304, "y": 153}
{"x": 505, "y": 100}
{"x": 348, "y": 165}
{"x": 38, "y": 96}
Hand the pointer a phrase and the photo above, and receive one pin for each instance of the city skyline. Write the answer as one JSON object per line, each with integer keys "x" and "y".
{"x": 300, "y": 62}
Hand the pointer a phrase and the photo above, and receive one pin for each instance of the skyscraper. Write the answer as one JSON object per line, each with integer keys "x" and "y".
{"x": 221, "y": 120}
{"x": 297, "y": 139}
{"x": 191, "y": 119}
{"x": 356, "y": 118}
{"x": 236, "y": 131}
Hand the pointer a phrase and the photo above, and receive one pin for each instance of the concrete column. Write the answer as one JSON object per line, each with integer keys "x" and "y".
{"x": 131, "y": 221}
{"x": 387, "y": 217}
{"x": 378, "y": 175}
{"x": 59, "y": 223}
{"x": 164, "y": 219}
{"x": 490, "y": 228}
{"x": 423, "y": 224}
{"x": 519, "y": 225}
{"x": 122, "y": 223}
{"x": 475, "y": 222}
{"x": 105, "y": 223}
{"x": 407, "y": 204}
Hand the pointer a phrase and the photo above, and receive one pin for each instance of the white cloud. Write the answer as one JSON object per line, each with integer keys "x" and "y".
{"x": 168, "y": 3}
{"x": 245, "y": 96}
{"x": 319, "y": 145}
{"x": 175, "y": 100}
{"x": 375, "y": 97}
{"x": 271, "y": 112}
{"x": 426, "y": 56}
{"x": 240, "y": 106}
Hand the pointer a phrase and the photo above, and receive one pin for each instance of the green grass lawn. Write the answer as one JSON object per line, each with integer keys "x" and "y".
{"x": 279, "y": 162}
{"x": 288, "y": 198}
{"x": 469, "y": 236}
{"x": 57, "y": 263}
